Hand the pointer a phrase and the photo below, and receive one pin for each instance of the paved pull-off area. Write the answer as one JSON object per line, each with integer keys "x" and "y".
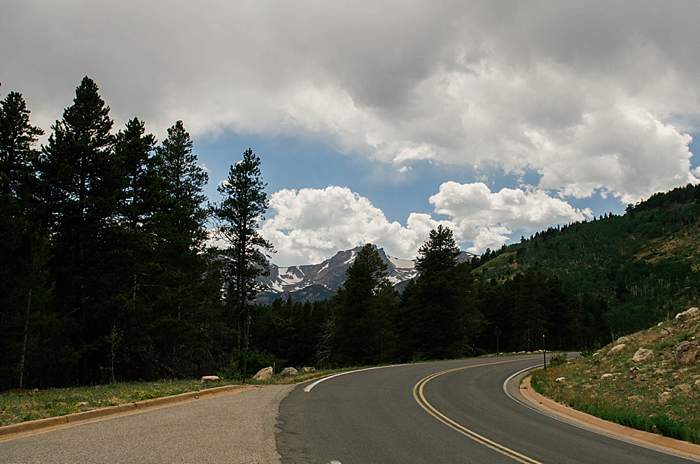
{"x": 231, "y": 428}
{"x": 438, "y": 413}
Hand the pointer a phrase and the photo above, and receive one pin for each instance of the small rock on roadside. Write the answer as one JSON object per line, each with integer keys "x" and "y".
{"x": 623, "y": 339}
{"x": 616, "y": 349}
{"x": 308, "y": 370}
{"x": 210, "y": 378}
{"x": 641, "y": 355}
{"x": 289, "y": 372}
{"x": 264, "y": 374}
{"x": 607, "y": 375}
{"x": 560, "y": 379}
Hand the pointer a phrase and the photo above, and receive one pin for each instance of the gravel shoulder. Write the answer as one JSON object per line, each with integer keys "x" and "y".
{"x": 234, "y": 428}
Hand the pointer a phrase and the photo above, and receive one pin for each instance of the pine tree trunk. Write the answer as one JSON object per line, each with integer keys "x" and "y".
{"x": 24, "y": 339}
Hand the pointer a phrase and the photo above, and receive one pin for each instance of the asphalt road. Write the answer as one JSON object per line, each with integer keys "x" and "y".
{"x": 375, "y": 417}
{"x": 233, "y": 428}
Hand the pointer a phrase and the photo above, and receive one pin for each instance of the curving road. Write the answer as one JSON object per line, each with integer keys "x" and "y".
{"x": 406, "y": 414}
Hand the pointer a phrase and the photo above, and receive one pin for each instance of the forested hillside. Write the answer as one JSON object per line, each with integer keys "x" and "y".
{"x": 644, "y": 264}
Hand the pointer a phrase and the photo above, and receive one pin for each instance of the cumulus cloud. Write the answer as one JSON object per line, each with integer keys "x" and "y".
{"x": 309, "y": 225}
{"x": 594, "y": 96}
{"x": 486, "y": 219}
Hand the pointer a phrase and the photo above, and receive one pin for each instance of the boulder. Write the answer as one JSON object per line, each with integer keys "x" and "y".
{"x": 607, "y": 375}
{"x": 642, "y": 355}
{"x": 308, "y": 370}
{"x": 264, "y": 374}
{"x": 210, "y": 378}
{"x": 688, "y": 315}
{"x": 289, "y": 372}
{"x": 616, "y": 349}
{"x": 687, "y": 352}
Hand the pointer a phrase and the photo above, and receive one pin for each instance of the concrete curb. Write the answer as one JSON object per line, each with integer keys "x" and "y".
{"x": 654, "y": 441}
{"x": 48, "y": 422}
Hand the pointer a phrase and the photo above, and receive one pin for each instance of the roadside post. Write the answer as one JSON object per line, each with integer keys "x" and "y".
{"x": 544, "y": 350}
{"x": 497, "y": 333}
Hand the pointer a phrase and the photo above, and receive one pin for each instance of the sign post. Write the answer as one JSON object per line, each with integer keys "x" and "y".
{"x": 544, "y": 350}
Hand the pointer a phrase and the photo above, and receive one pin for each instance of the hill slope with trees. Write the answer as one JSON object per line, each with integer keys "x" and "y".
{"x": 642, "y": 265}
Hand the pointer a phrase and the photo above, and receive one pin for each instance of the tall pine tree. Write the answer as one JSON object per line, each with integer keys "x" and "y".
{"x": 364, "y": 309}
{"x": 78, "y": 186}
{"x": 436, "y": 312}
{"x": 178, "y": 224}
{"x": 240, "y": 212}
{"x": 22, "y": 248}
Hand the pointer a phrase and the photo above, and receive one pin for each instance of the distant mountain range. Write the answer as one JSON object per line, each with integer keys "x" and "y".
{"x": 314, "y": 282}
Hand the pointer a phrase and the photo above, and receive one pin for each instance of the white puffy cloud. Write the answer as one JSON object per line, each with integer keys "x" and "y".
{"x": 309, "y": 225}
{"x": 486, "y": 219}
{"x": 593, "y": 96}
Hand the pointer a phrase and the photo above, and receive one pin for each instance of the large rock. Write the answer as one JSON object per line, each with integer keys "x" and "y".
{"x": 264, "y": 374}
{"x": 688, "y": 314}
{"x": 289, "y": 372}
{"x": 688, "y": 352}
{"x": 642, "y": 355}
{"x": 616, "y": 349}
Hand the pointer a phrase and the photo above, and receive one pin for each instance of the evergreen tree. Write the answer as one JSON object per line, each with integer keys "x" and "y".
{"x": 22, "y": 248}
{"x": 78, "y": 187}
{"x": 134, "y": 264}
{"x": 240, "y": 212}
{"x": 178, "y": 225}
{"x": 363, "y": 310}
{"x": 437, "y": 314}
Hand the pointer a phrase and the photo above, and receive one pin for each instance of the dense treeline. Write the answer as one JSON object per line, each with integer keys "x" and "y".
{"x": 447, "y": 311}
{"x": 105, "y": 273}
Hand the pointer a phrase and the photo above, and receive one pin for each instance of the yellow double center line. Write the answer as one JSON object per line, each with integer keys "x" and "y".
{"x": 419, "y": 395}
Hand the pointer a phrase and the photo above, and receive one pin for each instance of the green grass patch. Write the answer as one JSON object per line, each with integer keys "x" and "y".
{"x": 19, "y": 406}
{"x": 657, "y": 395}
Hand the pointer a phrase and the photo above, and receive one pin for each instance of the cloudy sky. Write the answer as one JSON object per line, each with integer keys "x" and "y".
{"x": 378, "y": 120}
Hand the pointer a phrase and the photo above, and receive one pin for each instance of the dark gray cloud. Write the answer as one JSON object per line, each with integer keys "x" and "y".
{"x": 595, "y": 96}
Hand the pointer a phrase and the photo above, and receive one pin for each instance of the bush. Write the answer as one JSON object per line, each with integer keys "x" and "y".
{"x": 557, "y": 359}
{"x": 256, "y": 361}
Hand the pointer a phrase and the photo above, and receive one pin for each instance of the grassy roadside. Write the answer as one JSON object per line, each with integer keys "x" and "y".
{"x": 20, "y": 406}
{"x": 659, "y": 394}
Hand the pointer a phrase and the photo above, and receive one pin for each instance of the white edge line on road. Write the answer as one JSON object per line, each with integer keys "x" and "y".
{"x": 582, "y": 426}
{"x": 310, "y": 387}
